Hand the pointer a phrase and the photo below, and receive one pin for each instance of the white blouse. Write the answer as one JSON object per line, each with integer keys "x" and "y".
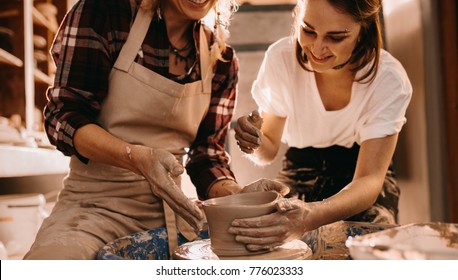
{"x": 375, "y": 110}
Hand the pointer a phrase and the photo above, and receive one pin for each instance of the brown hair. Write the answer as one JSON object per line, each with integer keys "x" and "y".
{"x": 367, "y": 49}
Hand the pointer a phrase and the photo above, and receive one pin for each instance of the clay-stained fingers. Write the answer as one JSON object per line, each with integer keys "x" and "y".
{"x": 244, "y": 129}
{"x": 264, "y": 185}
{"x": 248, "y": 136}
{"x": 286, "y": 204}
{"x": 197, "y": 202}
{"x": 261, "y": 238}
{"x": 262, "y": 221}
{"x": 177, "y": 200}
{"x": 169, "y": 162}
{"x": 247, "y": 142}
{"x": 260, "y": 241}
{"x": 186, "y": 208}
{"x": 277, "y": 231}
{"x": 255, "y": 118}
{"x": 247, "y": 147}
{"x": 160, "y": 167}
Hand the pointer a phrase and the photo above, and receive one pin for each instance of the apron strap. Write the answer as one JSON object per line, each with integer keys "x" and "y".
{"x": 125, "y": 59}
{"x": 137, "y": 35}
{"x": 205, "y": 64}
{"x": 170, "y": 224}
{"x": 134, "y": 40}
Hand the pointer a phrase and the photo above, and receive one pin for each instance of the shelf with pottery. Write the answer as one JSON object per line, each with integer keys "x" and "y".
{"x": 23, "y": 161}
{"x": 27, "y": 153}
{"x": 9, "y": 13}
{"x": 27, "y": 28}
{"x": 41, "y": 77}
{"x": 40, "y": 19}
{"x": 7, "y": 58}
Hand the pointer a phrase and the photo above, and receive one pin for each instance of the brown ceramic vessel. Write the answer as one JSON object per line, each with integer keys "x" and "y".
{"x": 221, "y": 211}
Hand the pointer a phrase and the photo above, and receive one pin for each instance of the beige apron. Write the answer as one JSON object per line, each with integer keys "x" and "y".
{"x": 99, "y": 202}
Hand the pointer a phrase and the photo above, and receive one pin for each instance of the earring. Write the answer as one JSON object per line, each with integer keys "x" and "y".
{"x": 217, "y": 21}
{"x": 220, "y": 35}
{"x": 159, "y": 12}
{"x": 303, "y": 55}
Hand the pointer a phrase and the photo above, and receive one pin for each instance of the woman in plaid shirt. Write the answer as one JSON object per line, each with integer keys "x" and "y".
{"x": 138, "y": 86}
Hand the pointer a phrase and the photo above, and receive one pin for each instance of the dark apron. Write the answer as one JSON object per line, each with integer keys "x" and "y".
{"x": 314, "y": 174}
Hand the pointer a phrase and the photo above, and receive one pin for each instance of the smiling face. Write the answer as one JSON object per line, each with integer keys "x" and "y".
{"x": 188, "y": 9}
{"x": 326, "y": 35}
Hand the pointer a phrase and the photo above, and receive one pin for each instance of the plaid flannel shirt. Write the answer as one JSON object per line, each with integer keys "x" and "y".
{"x": 85, "y": 49}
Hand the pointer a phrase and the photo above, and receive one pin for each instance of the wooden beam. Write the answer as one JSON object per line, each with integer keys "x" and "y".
{"x": 449, "y": 48}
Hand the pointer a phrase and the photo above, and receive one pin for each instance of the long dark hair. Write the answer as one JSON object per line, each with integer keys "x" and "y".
{"x": 367, "y": 49}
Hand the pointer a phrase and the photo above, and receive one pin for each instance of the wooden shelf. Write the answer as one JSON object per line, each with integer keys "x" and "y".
{"x": 7, "y": 58}
{"x": 9, "y": 13}
{"x": 29, "y": 161}
{"x": 40, "y": 19}
{"x": 22, "y": 20}
{"x": 42, "y": 77}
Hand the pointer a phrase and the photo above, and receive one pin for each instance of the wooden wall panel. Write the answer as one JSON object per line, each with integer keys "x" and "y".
{"x": 449, "y": 33}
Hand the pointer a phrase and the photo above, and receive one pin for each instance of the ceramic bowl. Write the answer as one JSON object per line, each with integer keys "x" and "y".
{"x": 221, "y": 211}
{"x": 419, "y": 241}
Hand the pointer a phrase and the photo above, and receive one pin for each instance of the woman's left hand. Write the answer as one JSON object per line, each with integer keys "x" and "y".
{"x": 270, "y": 231}
{"x": 160, "y": 168}
{"x": 248, "y": 132}
{"x": 265, "y": 185}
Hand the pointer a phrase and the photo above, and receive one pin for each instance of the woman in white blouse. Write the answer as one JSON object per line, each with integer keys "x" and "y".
{"x": 338, "y": 100}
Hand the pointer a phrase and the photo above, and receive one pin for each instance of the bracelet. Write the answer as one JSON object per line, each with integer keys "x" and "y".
{"x": 129, "y": 152}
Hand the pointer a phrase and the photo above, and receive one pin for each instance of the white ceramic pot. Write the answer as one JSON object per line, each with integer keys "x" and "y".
{"x": 21, "y": 216}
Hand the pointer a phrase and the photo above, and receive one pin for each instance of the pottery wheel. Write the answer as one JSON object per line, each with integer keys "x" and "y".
{"x": 201, "y": 250}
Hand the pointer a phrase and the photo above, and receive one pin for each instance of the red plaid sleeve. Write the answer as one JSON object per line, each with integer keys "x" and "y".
{"x": 208, "y": 162}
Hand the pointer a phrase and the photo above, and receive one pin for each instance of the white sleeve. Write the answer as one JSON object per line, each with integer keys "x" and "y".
{"x": 386, "y": 114}
{"x": 270, "y": 85}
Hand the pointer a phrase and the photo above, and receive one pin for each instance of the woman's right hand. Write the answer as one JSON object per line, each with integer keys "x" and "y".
{"x": 272, "y": 230}
{"x": 159, "y": 167}
{"x": 248, "y": 132}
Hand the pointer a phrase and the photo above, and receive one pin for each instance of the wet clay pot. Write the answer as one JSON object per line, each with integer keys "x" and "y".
{"x": 222, "y": 211}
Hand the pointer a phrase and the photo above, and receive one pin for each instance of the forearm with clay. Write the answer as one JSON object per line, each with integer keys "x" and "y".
{"x": 156, "y": 165}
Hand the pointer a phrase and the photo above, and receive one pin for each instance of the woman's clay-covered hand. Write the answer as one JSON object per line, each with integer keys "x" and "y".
{"x": 265, "y": 185}
{"x": 269, "y": 231}
{"x": 248, "y": 132}
{"x": 224, "y": 188}
{"x": 159, "y": 167}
